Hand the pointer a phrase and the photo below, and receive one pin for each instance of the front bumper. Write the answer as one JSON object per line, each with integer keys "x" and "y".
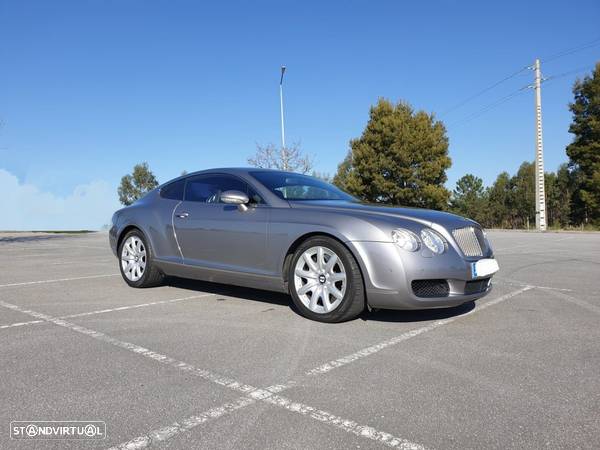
{"x": 389, "y": 272}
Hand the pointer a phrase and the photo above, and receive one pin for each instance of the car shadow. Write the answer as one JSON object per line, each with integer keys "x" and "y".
{"x": 226, "y": 290}
{"x": 417, "y": 315}
{"x": 277, "y": 298}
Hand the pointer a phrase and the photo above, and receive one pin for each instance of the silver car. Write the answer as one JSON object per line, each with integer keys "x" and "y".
{"x": 296, "y": 234}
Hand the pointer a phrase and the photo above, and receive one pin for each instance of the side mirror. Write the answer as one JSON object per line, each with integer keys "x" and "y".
{"x": 236, "y": 198}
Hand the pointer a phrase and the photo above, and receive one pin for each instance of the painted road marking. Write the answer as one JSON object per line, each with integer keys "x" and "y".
{"x": 520, "y": 283}
{"x": 164, "y": 433}
{"x": 103, "y": 311}
{"x": 343, "y": 424}
{"x": 250, "y": 391}
{"x": 268, "y": 394}
{"x": 20, "y": 324}
{"x": 348, "y": 425}
{"x": 104, "y": 261}
{"x": 364, "y": 431}
{"x": 334, "y": 364}
{"x": 163, "y": 359}
{"x": 576, "y": 301}
{"x": 58, "y": 280}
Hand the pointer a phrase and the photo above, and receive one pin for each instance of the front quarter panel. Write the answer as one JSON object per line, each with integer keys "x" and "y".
{"x": 289, "y": 224}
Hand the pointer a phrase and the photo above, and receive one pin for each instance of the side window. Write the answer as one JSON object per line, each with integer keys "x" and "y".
{"x": 208, "y": 188}
{"x": 173, "y": 191}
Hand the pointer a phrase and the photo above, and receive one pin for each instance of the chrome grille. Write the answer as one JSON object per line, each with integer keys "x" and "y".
{"x": 470, "y": 240}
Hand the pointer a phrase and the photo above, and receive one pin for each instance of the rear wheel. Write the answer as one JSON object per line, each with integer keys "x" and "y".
{"x": 135, "y": 262}
{"x": 325, "y": 281}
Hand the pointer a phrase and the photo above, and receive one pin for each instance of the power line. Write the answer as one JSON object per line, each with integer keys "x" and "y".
{"x": 570, "y": 72}
{"x": 483, "y": 91}
{"x": 489, "y": 107}
{"x": 513, "y": 94}
{"x": 552, "y": 57}
{"x": 572, "y": 50}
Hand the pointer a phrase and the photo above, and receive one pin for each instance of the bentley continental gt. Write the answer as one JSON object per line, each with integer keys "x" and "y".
{"x": 296, "y": 234}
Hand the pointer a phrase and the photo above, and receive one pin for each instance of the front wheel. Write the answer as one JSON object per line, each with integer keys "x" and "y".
{"x": 325, "y": 281}
{"x": 135, "y": 262}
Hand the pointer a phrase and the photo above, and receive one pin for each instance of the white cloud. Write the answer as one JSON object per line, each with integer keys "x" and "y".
{"x": 23, "y": 206}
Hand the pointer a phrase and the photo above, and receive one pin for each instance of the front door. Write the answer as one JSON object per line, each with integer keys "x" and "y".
{"x": 216, "y": 235}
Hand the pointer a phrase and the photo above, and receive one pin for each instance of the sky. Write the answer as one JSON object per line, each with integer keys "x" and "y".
{"x": 90, "y": 88}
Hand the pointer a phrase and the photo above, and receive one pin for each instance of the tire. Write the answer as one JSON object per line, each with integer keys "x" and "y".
{"x": 318, "y": 291}
{"x": 147, "y": 274}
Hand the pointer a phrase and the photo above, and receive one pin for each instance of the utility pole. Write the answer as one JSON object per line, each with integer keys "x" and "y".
{"x": 281, "y": 106}
{"x": 540, "y": 192}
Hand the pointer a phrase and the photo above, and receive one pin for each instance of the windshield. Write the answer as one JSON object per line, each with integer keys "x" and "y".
{"x": 292, "y": 186}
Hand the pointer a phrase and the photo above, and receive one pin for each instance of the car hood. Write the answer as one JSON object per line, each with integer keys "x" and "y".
{"x": 424, "y": 216}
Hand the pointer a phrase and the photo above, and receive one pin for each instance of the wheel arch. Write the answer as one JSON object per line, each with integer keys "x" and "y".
{"x": 124, "y": 232}
{"x": 287, "y": 261}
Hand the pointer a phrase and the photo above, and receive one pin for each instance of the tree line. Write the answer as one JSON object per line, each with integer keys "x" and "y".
{"x": 510, "y": 201}
{"x": 401, "y": 158}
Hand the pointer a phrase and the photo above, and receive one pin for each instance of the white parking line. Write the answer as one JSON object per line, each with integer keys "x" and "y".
{"x": 103, "y": 311}
{"x": 268, "y": 394}
{"x": 62, "y": 263}
{"x": 58, "y": 280}
{"x": 250, "y": 391}
{"x": 20, "y": 324}
{"x": 520, "y": 283}
{"x": 163, "y": 359}
{"x": 343, "y": 424}
{"x": 164, "y": 433}
{"x": 347, "y": 425}
{"x": 21, "y": 257}
{"x": 140, "y": 305}
{"x": 365, "y": 431}
{"x": 329, "y": 366}
{"x": 576, "y": 301}
{"x": 350, "y": 426}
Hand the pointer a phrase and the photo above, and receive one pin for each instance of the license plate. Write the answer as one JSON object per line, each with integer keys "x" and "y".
{"x": 484, "y": 267}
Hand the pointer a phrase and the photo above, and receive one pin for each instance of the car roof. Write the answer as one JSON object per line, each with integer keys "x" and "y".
{"x": 235, "y": 170}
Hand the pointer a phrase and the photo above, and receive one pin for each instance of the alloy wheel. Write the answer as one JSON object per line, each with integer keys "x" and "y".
{"x": 320, "y": 279}
{"x": 133, "y": 258}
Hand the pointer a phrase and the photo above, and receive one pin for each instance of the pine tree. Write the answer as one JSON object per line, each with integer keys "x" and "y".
{"x": 469, "y": 198}
{"x": 401, "y": 158}
{"x": 584, "y": 151}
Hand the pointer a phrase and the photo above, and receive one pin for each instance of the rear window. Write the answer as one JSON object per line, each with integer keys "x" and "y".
{"x": 173, "y": 191}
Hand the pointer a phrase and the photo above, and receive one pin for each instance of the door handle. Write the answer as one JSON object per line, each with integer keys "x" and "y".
{"x": 182, "y": 215}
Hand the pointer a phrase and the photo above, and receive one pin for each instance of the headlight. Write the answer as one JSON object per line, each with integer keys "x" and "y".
{"x": 406, "y": 240}
{"x": 433, "y": 241}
